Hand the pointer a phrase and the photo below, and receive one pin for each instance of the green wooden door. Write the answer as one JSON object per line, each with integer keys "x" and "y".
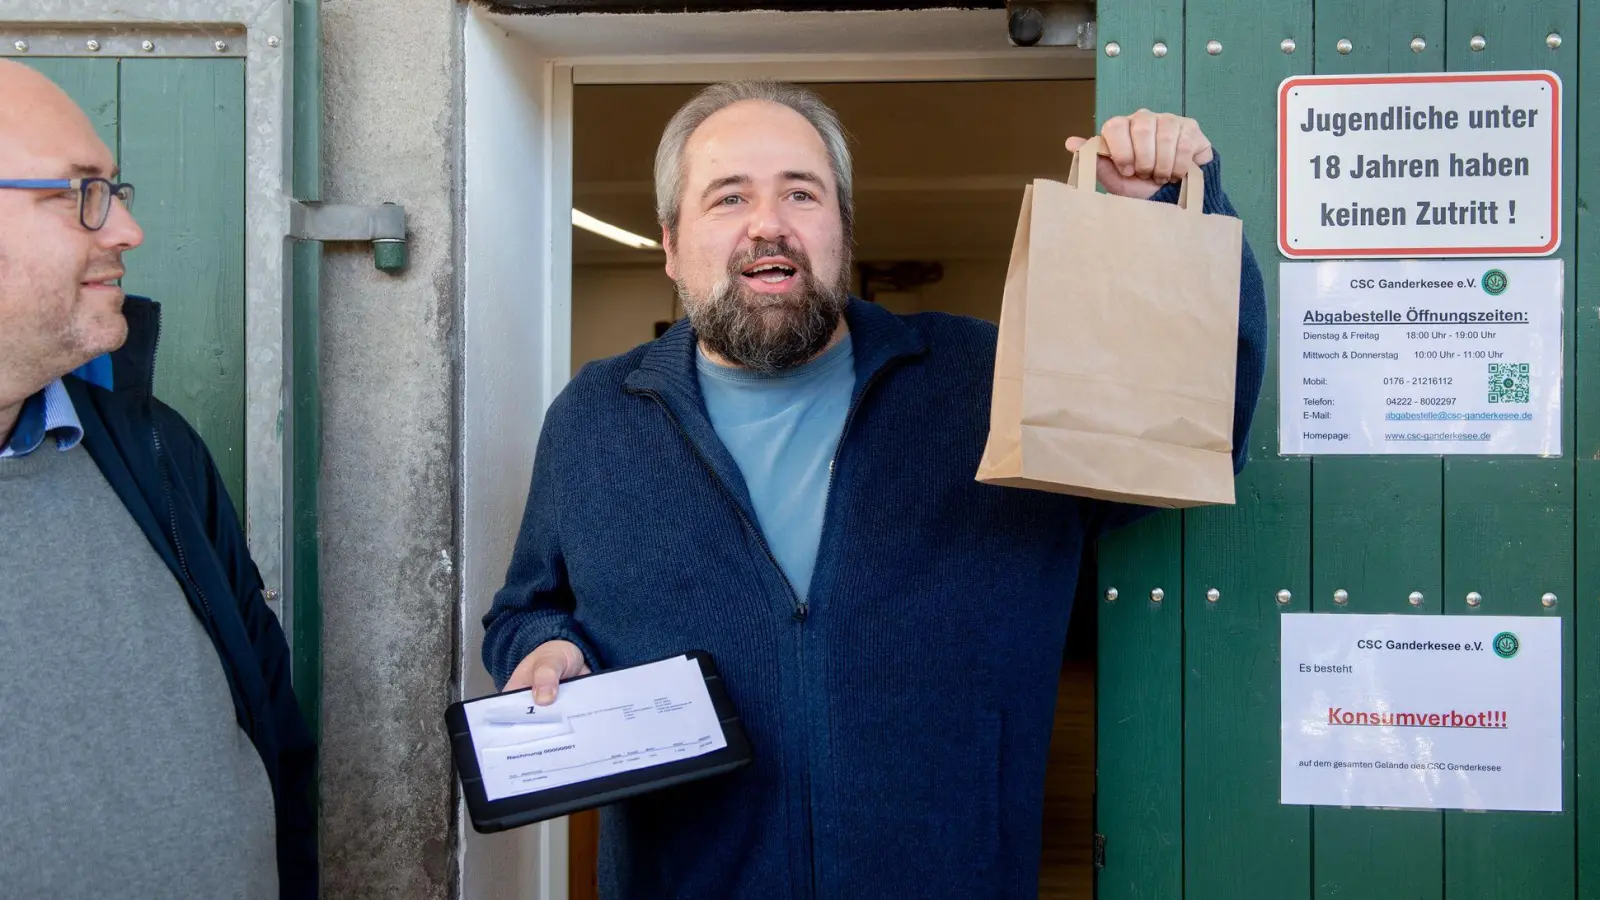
{"x": 1188, "y": 721}
{"x": 177, "y": 129}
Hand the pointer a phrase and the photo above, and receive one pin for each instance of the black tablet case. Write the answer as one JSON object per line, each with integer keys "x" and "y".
{"x": 526, "y": 809}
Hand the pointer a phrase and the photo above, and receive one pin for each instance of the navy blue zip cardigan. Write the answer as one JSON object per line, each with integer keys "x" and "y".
{"x": 160, "y": 469}
{"x": 901, "y": 722}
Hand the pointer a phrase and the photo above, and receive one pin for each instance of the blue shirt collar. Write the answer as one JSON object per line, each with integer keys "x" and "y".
{"x": 49, "y": 413}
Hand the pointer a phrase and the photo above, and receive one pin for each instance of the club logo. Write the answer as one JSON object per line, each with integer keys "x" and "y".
{"x": 1506, "y": 645}
{"x": 1494, "y": 282}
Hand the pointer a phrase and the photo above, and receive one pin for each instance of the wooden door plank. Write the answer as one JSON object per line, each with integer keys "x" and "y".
{"x": 183, "y": 144}
{"x": 1376, "y": 536}
{"x": 1233, "y": 95}
{"x": 1139, "y": 760}
{"x": 1586, "y": 126}
{"x": 1509, "y": 536}
{"x": 1380, "y": 34}
{"x": 1239, "y": 841}
{"x": 306, "y": 450}
{"x": 1586, "y": 615}
{"x": 1139, "y": 681}
{"x": 1586, "y": 609}
{"x": 1066, "y": 865}
{"x": 1509, "y": 526}
{"x": 583, "y": 852}
{"x": 1375, "y": 521}
{"x": 1136, "y": 77}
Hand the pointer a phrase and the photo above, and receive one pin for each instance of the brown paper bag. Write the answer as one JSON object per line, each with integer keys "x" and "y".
{"x": 1119, "y": 327}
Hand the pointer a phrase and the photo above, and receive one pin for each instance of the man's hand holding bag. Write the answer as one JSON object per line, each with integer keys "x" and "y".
{"x": 1115, "y": 372}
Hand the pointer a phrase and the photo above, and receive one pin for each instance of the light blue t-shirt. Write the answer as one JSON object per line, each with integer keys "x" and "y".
{"x": 782, "y": 431}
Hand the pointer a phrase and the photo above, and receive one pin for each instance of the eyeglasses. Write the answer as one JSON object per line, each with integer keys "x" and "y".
{"x": 94, "y": 195}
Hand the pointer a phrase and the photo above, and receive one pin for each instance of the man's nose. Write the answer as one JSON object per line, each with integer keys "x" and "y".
{"x": 121, "y": 231}
{"x": 769, "y": 221}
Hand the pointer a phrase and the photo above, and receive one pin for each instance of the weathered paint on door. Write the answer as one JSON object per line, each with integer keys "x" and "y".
{"x": 1187, "y": 793}
{"x": 177, "y": 129}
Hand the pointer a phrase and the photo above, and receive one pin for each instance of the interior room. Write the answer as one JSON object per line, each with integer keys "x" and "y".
{"x": 939, "y": 169}
{"x": 939, "y": 173}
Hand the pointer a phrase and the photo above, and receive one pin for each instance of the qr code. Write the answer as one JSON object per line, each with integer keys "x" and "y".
{"x": 1508, "y": 382}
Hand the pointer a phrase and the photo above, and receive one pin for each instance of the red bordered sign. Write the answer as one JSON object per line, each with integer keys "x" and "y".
{"x": 1425, "y": 165}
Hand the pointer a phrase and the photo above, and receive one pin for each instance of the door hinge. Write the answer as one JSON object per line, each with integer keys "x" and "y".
{"x": 1051, "y": 23}
{"x": 1099, "y": 851}
{"x": 384, "y": 226}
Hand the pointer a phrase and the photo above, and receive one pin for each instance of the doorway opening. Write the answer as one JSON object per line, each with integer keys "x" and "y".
{"x": 523, "y": 75}
{"x": 940, "y": 168}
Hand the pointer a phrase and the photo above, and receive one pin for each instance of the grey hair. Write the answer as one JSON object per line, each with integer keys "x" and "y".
{"x": 670, "y": 169}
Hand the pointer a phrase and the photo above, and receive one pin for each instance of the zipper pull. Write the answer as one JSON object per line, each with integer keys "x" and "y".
{"x": 801, "y": 610}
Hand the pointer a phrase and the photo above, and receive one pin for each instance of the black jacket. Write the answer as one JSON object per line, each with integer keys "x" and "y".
{"x": 164, "y": 475}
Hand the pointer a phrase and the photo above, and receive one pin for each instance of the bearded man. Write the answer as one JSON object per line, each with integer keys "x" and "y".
{"x": 786, "y": 480}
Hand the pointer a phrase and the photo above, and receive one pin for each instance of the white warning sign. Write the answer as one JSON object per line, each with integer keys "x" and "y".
{"x": 1427, "y": 165}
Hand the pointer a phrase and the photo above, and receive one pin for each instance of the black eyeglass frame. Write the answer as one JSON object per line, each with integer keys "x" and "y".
{"x": 113, "y": 191}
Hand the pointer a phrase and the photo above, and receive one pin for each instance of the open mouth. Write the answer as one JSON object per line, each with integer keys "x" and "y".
{"x": 771, "y": 275}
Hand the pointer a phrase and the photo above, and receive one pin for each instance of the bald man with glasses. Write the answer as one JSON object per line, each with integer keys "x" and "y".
{"x": 152, "y": 744}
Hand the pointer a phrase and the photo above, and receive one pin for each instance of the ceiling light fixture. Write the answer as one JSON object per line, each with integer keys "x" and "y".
{"x": 590, "y": 223}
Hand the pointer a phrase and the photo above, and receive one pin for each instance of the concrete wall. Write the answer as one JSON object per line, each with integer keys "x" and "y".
{"x": 388, "y": 364}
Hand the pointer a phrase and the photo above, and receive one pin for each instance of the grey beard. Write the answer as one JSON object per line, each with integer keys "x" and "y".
{"x": 764, "y": 332}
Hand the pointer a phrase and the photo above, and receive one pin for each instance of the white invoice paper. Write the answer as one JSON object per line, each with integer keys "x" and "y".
{"x": 1421, "y": 357}
{"x": 602, "y": 725}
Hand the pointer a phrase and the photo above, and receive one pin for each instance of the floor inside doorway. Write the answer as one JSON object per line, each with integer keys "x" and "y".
{"x": 939, "y": 172}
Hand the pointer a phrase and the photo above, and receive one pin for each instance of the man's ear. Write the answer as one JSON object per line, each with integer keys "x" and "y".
{"x": 666, "y": 244}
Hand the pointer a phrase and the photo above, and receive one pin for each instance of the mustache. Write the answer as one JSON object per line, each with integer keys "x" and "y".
{"x": 763, "y": 249}
{"x": 769, "y": 332}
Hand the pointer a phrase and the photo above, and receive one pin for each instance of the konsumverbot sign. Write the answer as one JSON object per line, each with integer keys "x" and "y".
{"x": 1454, "y": 718}
{"x": 1434, "y": 712}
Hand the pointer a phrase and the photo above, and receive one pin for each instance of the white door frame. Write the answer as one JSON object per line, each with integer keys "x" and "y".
{"x": 516, "y": 227}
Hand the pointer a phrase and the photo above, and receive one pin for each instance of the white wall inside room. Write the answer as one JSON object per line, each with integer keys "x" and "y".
{"x": 940, "y": 168}
{"x": 969, "y": 287}
{"x": 615, "y": 308}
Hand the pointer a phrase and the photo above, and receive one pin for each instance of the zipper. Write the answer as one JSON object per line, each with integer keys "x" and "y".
{"x": 833, "y": 465}
{"x": 188, "y": 574}
{"x": 800, "y": 614}
{"x": 149, "y": 386}
{"x": 801, "y": 611}
{"x": 802, "y": 608}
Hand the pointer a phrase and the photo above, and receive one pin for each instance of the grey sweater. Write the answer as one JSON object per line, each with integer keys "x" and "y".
{"x": 122, "y": 769}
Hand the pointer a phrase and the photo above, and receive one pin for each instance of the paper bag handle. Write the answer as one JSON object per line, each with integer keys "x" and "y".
{"x": 1192, "y": 179}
